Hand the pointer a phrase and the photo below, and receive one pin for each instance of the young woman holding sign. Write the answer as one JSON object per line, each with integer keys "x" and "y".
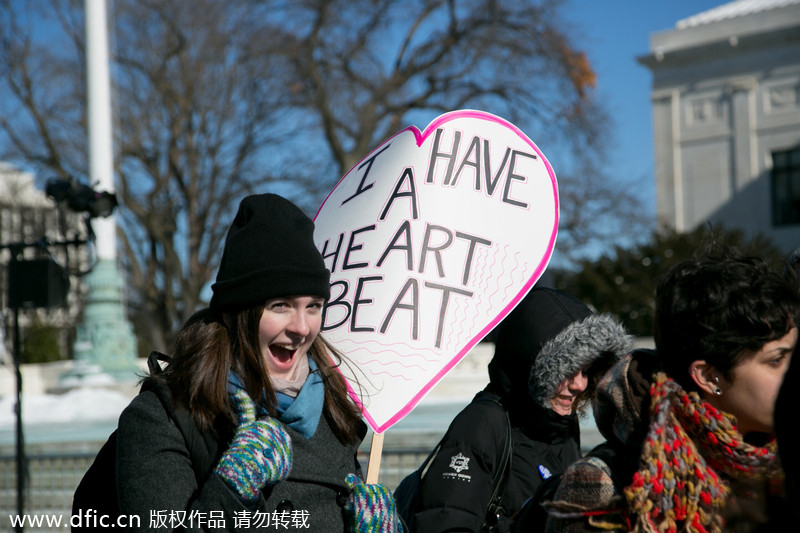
{"x": 549, "y": 352}
{"x": 260, "y": 386}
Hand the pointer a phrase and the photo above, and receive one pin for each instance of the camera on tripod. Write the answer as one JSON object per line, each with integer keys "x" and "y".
{"x": 81, "y": 198}
{"x": 42, "y": 282}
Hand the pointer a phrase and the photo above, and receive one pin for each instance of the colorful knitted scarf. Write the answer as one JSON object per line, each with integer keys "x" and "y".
{"x": 690, "y": 449}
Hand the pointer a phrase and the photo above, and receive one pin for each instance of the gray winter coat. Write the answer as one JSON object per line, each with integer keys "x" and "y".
{"x": 156, "y": 481}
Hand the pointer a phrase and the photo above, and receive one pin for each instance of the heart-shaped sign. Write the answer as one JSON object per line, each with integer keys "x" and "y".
{"x": 431, "y": 240}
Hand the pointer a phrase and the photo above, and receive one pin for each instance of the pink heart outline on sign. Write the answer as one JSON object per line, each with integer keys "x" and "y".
{"x": 539, "y": 263}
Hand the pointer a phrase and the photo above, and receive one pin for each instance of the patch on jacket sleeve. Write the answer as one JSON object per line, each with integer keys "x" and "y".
{"x": 544, "y": 472}
{"x": 459, "y": 463}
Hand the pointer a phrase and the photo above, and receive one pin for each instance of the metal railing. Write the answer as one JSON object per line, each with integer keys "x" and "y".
{"x": 53, "y": 478}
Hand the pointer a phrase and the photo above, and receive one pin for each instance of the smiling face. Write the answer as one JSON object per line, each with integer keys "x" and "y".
{"x": 753, "y": 386}
{"x": 567, "y": 392}
{"x": 286, "y": 330}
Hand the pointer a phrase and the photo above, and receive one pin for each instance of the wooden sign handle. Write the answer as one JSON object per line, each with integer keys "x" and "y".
{"x": 375, "y": 451}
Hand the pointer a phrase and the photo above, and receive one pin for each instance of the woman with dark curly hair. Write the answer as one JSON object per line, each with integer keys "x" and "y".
{"x": 689, "y": 427}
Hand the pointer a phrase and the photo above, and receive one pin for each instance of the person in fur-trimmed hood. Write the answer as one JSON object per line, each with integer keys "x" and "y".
{"x": 549, "y": 353}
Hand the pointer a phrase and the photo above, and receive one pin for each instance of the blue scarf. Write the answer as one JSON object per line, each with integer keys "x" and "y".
{"x": 302, "y": 413}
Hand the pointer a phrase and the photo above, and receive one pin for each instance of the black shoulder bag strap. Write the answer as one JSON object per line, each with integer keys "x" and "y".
{"x": 500, "y": 479}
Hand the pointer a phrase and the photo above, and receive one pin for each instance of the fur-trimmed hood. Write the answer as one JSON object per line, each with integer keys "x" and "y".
{"x": 547, "y": 339}
{"x": 576, "y": 347}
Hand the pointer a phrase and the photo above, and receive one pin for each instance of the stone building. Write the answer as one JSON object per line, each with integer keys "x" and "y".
{"x": 726, "y": 119}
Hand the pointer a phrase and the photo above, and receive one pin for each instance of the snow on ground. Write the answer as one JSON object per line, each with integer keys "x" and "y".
{"x": 77, "y": 405}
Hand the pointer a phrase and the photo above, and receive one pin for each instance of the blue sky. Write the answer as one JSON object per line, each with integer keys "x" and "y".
{"x": 614, "y": 33}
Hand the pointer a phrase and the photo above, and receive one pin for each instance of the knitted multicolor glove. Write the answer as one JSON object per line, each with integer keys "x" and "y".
{"x": 260, "y": 452}
{"x": 371, "y": 508}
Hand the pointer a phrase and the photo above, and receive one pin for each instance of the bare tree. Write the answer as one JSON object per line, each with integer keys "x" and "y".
{"x": 195, "y": 134}
{"x": 214, "y": 100}
{"x": 362, "y": 70}
{"x": 191, "y": 133}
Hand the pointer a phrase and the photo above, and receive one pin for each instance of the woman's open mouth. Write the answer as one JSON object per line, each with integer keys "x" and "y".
{"x": 566, "y": 401}
{"x": 282, "y": 353}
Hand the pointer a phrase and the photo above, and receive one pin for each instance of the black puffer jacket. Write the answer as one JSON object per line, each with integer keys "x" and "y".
{"x": 457, "y": 487}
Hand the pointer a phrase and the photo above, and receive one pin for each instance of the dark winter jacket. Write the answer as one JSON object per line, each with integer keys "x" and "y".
{"x": 156, "y": 480}
{"x": 457, "y": 487}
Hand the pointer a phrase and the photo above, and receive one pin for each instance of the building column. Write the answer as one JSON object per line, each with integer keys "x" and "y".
{"x": 744, "y": 159}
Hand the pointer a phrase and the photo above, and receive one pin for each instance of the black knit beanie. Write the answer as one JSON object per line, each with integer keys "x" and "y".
{"x": 269, "y": 253}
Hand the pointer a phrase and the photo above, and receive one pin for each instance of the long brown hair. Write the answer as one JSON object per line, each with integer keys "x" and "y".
{"x": 210, "y": 344}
